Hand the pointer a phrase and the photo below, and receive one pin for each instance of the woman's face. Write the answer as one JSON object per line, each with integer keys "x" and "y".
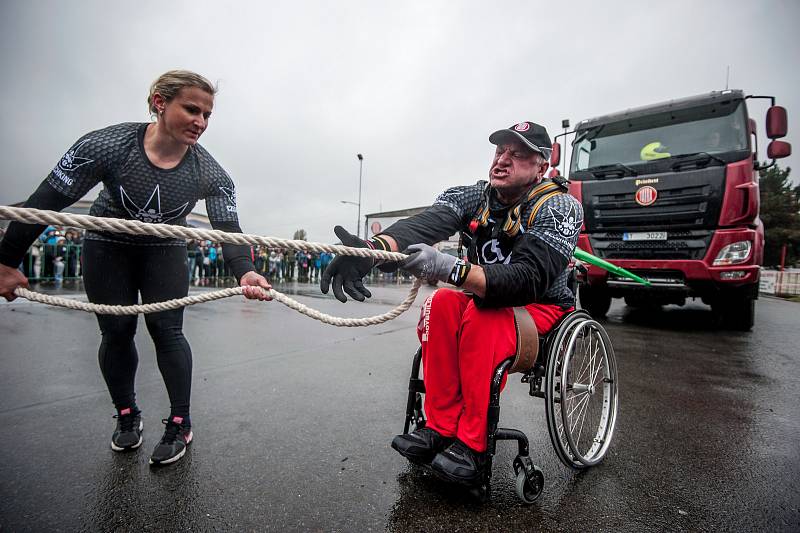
{"x": 185, "y": 117}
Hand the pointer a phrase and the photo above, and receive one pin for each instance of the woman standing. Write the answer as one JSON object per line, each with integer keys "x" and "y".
{"x": 155, "y": 173}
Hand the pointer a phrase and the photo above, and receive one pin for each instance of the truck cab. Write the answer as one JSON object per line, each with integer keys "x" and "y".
{"x": 670, "y": 192}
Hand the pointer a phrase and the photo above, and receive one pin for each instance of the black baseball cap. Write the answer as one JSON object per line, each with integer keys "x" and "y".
{"x": 533, "y": 135}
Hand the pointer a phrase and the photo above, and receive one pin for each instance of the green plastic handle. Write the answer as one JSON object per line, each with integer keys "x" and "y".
{"x": 605, "y": 265}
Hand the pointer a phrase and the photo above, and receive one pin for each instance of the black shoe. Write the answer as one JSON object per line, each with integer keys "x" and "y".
{"x": 174, "y": 442}
{"x": 421, "y": 445}
{"x": 128, "y": 435}
{"x": 460, "y": 464}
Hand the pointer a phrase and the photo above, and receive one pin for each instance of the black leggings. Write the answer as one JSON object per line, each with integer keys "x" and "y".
{"x": 115, "y": 273}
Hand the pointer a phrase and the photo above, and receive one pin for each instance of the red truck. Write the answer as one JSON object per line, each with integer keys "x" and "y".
{"x": 670, "y": 192}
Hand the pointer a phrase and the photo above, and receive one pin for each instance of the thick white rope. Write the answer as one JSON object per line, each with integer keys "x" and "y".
{"x": 104, "y": 309}
{"x": 118, "y": 225}
{"x": 29, "y": 215}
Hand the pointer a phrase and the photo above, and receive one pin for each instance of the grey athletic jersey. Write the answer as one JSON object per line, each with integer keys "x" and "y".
{"x": 134, "y": 188}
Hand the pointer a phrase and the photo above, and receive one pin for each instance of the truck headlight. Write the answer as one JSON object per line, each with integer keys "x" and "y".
{"x": 734, "y": 253}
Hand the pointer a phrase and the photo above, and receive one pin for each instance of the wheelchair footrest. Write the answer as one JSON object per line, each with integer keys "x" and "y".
{"x": 513, "y": 434}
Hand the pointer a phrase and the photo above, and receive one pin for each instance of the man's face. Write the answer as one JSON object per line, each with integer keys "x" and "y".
{"x": 514, "y": 169}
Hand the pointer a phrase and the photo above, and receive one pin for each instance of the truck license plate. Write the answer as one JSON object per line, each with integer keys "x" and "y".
{"x": 645, "y": 236}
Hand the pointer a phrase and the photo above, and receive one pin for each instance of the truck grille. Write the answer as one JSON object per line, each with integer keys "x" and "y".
{"x": 679, "y": 245}
{"x": 687, "y": 200}
{"x": 687, "y": 208}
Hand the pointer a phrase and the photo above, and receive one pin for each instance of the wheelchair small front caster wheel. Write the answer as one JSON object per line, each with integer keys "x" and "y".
{"x": 529, "y": 485}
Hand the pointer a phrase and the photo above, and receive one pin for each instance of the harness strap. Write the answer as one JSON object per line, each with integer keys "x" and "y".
{"x": 539, "y": 203}
{"x": 511, "y": 224}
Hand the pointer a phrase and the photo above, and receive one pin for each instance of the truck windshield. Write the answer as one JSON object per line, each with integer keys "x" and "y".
{"x": 712, "y": 129}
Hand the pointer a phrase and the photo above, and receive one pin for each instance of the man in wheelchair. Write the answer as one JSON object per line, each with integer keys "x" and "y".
{"x": 520, "y": 230}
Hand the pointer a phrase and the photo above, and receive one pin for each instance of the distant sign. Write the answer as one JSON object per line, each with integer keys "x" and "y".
{"x": 768, "y": 280}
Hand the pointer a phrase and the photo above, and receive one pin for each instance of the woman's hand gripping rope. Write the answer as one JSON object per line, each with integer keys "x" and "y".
{"x": 255, "y": 286}
{"x": 10, "y": 279}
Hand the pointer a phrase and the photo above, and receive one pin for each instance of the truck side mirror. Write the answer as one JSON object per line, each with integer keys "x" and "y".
{"x": 777, "y": 123}
{"x": 779, "y": 149}
{"x": 555, "y": 155}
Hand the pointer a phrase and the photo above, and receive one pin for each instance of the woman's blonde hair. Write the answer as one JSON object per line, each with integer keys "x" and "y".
{"x": 169, "y": 83}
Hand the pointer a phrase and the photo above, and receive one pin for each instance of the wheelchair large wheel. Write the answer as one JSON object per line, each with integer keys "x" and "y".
{"x": 581, "y": 391}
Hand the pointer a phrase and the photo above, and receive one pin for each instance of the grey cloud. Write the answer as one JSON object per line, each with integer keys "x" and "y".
{"x": 416, "y": 87}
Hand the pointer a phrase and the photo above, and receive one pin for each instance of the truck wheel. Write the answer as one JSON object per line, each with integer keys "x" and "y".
{"x": 739, "y": 314}
{"x": 596, "y": 301}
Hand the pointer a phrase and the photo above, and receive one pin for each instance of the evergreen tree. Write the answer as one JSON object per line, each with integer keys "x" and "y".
{"x": 780, "y": 213}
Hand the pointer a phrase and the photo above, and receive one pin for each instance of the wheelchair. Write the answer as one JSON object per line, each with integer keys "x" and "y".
{"x": 575, "y": 372}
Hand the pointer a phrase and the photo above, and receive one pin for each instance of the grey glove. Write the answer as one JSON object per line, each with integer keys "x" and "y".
{"x": 428, "y": 263}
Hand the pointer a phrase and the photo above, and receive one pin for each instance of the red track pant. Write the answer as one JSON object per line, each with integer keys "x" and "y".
{"x": 461, "y": 346}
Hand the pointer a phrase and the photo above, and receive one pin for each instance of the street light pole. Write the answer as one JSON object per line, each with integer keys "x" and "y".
{"x": 358, "y": 220}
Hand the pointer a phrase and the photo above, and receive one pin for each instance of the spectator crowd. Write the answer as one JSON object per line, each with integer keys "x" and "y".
{"x": 56, "y": 255}
{"x": 206, "y": 263}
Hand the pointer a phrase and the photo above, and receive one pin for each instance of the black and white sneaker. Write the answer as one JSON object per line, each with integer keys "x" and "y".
{"x": 128, "y": 435}
{"x": 421, "y": 445}
{"x": 460, "y": 464}
{"x": 174, "y": 442}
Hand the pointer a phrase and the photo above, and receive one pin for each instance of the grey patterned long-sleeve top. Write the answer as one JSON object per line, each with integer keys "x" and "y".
{"x": 532, "y": 266}
{"x": 134, "y": 188}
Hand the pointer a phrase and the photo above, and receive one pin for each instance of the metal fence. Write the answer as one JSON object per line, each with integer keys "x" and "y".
{"x": 786, "y": 283}
{"x": 52, "y": 262}
{"x": 62, "y": 262}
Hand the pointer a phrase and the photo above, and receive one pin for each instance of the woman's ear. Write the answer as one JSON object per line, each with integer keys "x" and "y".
{"x": 159, "y": 102}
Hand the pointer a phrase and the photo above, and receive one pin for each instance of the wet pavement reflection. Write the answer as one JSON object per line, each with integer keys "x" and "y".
{"x": 293, "y": 421}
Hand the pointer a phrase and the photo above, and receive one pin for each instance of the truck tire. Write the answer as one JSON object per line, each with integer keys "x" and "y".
{"x": 595, "y": 300}
{"x": 739, "y": 314}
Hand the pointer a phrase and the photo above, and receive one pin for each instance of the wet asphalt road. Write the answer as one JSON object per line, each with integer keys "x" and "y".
{"x": 293, "y": 421}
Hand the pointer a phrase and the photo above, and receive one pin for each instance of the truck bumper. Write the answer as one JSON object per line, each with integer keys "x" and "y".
{"x": 687, "y": 277}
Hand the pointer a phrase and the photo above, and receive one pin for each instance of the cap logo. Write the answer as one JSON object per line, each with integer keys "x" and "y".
{"x": 522, "y": 126}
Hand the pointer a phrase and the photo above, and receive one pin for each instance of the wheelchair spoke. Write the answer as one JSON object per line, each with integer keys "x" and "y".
{"x": 585, "y": 366}
{"x": 589, "y": 348}
{"x": 576, "y": 400}
{"x": 598, "y": 359}
{"x": 581, "y": 417}
{"x": 562, "y": 436}
{"x": 599, "y": 378}
{"x": 580, "y": 406}
{"x": 592, "y": 353}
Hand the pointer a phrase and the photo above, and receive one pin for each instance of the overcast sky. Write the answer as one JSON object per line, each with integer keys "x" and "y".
{"x": 414, "y": 86}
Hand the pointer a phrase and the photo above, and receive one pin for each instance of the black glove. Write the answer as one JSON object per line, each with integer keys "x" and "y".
{"x": 347, "y": 271}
